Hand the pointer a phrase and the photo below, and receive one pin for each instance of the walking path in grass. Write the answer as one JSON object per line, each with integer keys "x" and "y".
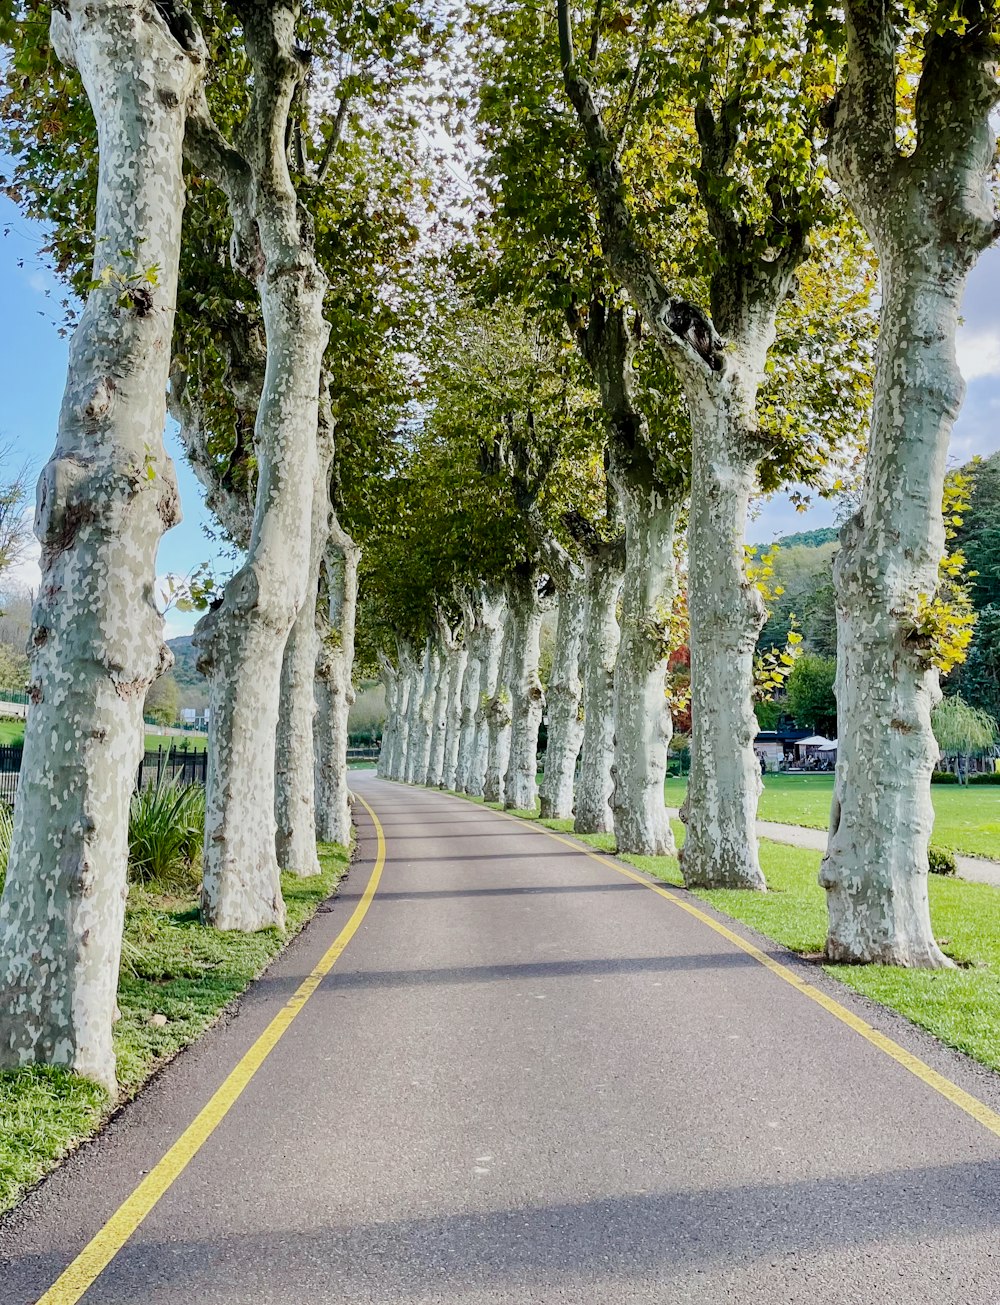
{"x": 969, "y": 867}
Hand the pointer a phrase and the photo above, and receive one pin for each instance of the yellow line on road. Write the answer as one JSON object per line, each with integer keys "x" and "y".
{"x": 98, "y": 1254}
{"x": 965, "y": 1101}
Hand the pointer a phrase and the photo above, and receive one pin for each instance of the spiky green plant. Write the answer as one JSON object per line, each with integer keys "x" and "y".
{"x": 6, "y": 830}
{"x": 166, "y": 827}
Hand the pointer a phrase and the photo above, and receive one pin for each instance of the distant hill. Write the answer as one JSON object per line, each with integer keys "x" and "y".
{"x": 810, "y": 538}
{"x": 185, "y": 672}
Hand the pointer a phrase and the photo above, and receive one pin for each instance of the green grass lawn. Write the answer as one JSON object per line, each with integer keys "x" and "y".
{"x": 12, "y": 731}
{"x": 967, "y": 818}
{"x": 195, "y": 742}
{"x": 172, "y": 965}
{"x": 960, "y": 1006}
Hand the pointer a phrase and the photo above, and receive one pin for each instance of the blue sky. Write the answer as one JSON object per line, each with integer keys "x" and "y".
{"x": 32, "y": 375}
{"x": 33, "y": 367}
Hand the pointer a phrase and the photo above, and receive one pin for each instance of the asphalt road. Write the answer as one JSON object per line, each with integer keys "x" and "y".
{"x": 529, "y": 1079}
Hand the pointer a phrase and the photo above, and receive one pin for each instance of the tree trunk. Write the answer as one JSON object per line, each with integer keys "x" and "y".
{"x": 564, "y": 695}
{"x": 416, "y": 745}
{"x": 929, "y": 214}
{"x": 498, "y": 710}
{"x": 334, "y": 688}
{"x": 104, "y": 499}
{"x": 294, "y": 799}
{"x": 294, "y": 784}
{"x": 527, "y": 699}
{"x": 875, "y": 868}
{"x": 492, "y": 621}
{"x": 401, "y": 739}
{"x": 391, "y": 679}
{"x": 726, "y": 613}
{"x": 439, "y": 709}
{"x": 643, "y": 726}
{"x": 458, "y": 662}
{"x": 601, "y": 639}
{"x": 426, "y": 712}
{"x": 241, "y": 643}
{"x": 469, "y": 698}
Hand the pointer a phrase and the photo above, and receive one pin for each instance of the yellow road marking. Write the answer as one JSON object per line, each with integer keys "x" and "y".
{"x": 98, "y": 1254}
{"x": 965, "y": 1101}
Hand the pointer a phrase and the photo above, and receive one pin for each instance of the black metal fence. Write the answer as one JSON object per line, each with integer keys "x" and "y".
{"x": 161, "y": 766}
{"x": 10, "y": 771}
{"x": 166, "y": 765}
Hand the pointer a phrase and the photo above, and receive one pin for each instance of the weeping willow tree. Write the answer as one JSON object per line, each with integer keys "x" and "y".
{"x": 962, "y": 731}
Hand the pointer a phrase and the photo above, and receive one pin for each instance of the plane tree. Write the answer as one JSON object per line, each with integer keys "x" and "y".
{"x": 690, "y": 174}
{"x": 913, "y": 148}
{"x": 105, "y": 497}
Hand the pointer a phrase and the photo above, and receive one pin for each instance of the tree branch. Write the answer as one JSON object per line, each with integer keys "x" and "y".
{"x": 333, "y": 140}
{"x": 683, "y": 330}
{"x": 863, "y": 133}
{"x": 213, "y": 155}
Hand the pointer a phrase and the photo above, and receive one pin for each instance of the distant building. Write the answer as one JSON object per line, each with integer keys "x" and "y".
{"x": 782, "y": 746}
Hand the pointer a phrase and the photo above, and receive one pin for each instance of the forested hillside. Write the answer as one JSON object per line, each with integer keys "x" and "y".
{"x": 978, "y": 679}
{"x": 186, "y": 672}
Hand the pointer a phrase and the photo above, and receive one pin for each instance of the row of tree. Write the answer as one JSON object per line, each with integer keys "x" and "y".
{"x": 509, "y": 400}
{"x": 742, "y": 156}
{"x": 271, "y": 313}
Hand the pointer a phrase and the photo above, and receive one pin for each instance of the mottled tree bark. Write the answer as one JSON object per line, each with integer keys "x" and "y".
{"x": 241, "y": 641}
{"x": 649, "y": 504}
{"x": 457, "y": 666}
{"x": 565, "y": 689}
{"x": 444, "y": 643}
{"x": 726, "y": 615}
{"x": 602, "y": 635}
{"x": 334, "y": 688}
{"x": 469, "y": 698}
{"x": 720, "y": 379}
{"x": 498, "y": 712}
{"x": 643, "y": 726}
{"x": 492, "y": 625}
{"x": 527, "y": 698}
{"x": 104, "y": 499}
{"x": 929, "y": 214}
{"x": 401, "y": 745}
{"x": 416, "y": 744}
{"x": 294, "y": 779}
{"x": 390, "y": 677}
{"x": 422, "y": 737}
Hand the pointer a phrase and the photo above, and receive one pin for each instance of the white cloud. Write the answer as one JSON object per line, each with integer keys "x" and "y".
{"x": 179, "y": 623}
{"x": 979, "y": 352}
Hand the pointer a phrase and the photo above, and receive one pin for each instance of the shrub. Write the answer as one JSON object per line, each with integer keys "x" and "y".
{"x": 941, "y": 860}
{"x": 987, "y": 777}
{"x": 943, "y": 777}
{"x": 165, "y": 830}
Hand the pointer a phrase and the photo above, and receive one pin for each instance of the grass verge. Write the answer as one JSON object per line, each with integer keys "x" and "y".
{"x": 12, "y": 731}
{"x": 961, "y": 1007}
{"x": 172, "y": 966}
